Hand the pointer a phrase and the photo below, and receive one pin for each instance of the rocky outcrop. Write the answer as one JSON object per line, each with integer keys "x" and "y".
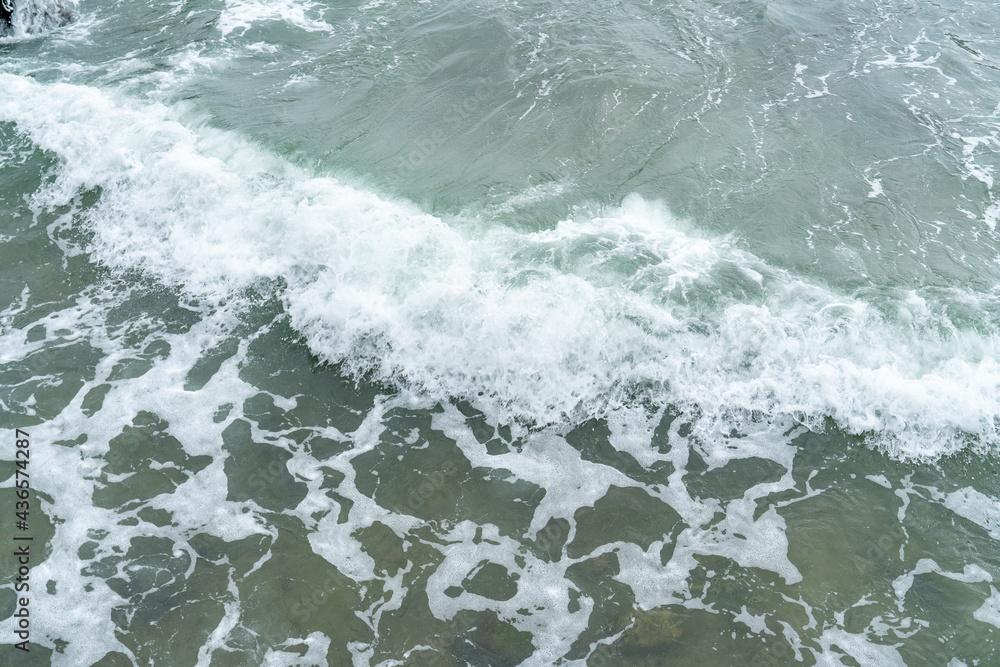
{"x": 32, "y": 17}
{"x": 6, "y": 14}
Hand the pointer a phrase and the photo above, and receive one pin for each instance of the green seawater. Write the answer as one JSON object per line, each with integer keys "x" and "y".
{"x": 500, "y": 333}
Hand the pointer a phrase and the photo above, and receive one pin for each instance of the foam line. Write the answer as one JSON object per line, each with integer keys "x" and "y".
{"x": 612, "y": 308}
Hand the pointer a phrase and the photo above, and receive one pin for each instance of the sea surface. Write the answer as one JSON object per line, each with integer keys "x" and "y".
{"x": 502, "y": 332}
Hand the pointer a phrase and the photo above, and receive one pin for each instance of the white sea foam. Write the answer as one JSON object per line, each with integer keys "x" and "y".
{"x": 83, "y": 610}
{"x": 859, "y": 647}
{"x": 976, "y": 507}
{"x": 605, "y": 309}
{"x": 990, "y": 611}
{"x": 971, "y": 574}
{"x": 317, "y": 645}
{"x": 240, "y": 15}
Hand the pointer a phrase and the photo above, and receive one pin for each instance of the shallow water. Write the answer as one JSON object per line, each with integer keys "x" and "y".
{"x": 502, "y": 333}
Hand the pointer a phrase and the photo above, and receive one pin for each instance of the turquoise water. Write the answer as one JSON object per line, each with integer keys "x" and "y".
{"x": 499, "y": 333}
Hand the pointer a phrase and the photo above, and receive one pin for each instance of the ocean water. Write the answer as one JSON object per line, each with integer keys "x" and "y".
{"x": 496, "y": 332}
